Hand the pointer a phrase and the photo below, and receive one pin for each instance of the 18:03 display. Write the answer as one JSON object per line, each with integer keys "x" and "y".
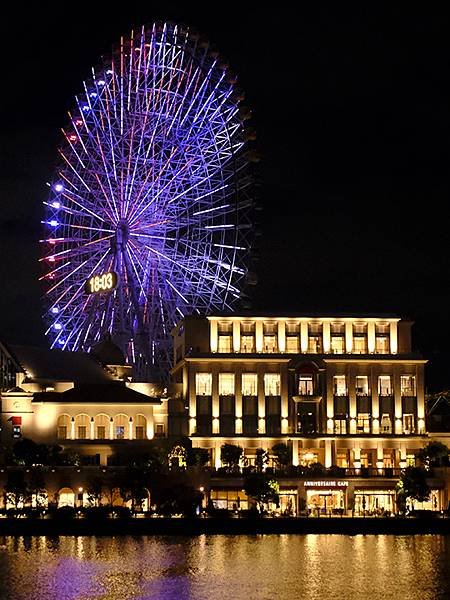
{"x": 105, "y": 282}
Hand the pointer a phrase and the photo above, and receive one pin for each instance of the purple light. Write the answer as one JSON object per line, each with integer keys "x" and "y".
{"x": 58, "y": 187}
{"x": 53, "y": 223}
{"x": 56, "y": 205}
{"x": 93, "y": 95}
{"x": 85, "y": 108}
{"x": 55, "y": 310}
{"x": 101, "y": 82}
{"x": 57, "y": 326}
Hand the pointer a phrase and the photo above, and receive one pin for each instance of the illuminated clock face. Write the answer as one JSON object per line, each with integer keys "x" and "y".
{"x": 104, "y": 282}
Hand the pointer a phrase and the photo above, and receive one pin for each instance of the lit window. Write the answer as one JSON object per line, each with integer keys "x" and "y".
{"x": 249, "y": 384}
{"x": 101, "y": 432}
{"x": 139, "y": 432}
{"x": 120, "y": 432}
{"x": 226, "y": 384}
{"x": 247, "y": 343}
{"x": 314, "y": 344}
{"x": 382, "y": 344}
{"x": 62, "y": 432}
{"x": 408, "y": 385}
{"x": 408, "y": 424}
{"x": 203, "y": 384}
{"x": 272, "y": 384}
{"x": 386, "y": 425}
{"x": 81, "y": 432}
{"x": 362, "y": 385}
{"x": 225, "y": 344}
{"x": 337, "y": 344}
{"x": 363, "y": 423}
{"x": 340, "y": 426}
{"x": 340, "y": 385}
{"x": 385, "y": 385}
{"x": 292, "y": 344}
{"x": 305, "y": 385}
{"x": 270, "y": 343}
{"x": 360, "y": 344}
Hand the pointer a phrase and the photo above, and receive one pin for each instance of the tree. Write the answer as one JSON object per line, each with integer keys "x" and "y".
{"x": 262, "y": 488}
{"x": 37, "y": 489}
{"x": 197, "y": 457}
{"x": 433, "y": 454}
{"x": 231, "y": 455}
{"x": 179, "y": 499}
{"x": 94, "y": 490}
{"x": 282, "y": 455}
{"x": 16, "y": 490}
{"x": 26, "y": 452}
{"x": 413, "y": 485}
{"x": 262, "y": 459}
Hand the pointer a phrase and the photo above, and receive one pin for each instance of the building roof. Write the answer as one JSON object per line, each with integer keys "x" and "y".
{"x": 112, "y": 392}
{"x": 302, "y": 314}
{"x": 43, "y": 364}
{"x": 108, "y": 353}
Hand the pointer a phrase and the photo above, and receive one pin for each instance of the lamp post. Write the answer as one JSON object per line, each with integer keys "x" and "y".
{"x": 80, "y": 497}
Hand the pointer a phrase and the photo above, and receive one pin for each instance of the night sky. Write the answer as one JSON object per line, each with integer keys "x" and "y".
{"x": 352, "y": 116}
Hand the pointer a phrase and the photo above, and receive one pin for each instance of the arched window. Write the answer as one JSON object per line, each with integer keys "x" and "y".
{"x": 121, "y": 427}
{"x": 63, "y": 427}
{"x": 101, "y": 427}
{"x": 66, "y": 497}
{"x": 140, "y": 427}
{"x": 82, "y": 427}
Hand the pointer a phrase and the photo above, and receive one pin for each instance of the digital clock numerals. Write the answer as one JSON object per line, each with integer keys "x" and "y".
{"x": 104, "y": 282}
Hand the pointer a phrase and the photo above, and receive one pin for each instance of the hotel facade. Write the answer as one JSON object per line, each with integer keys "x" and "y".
{"x": 344, "y": 394}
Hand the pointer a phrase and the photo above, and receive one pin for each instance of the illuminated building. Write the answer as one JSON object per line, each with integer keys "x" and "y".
{"x": 343, "y": 391}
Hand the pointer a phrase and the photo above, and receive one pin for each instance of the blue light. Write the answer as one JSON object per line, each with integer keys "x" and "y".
{"x": 57, "y": 326}
{"x": 56, "y": 205}
{"x": 85, "y": 108}
{"x": 58, "y": 187}
{"x": 53, "y": 223}
{"x": 55, "y": 310}
{"x": 93, "y": 95}
{"x": 61, "y": 342}
{"x": 101, "y": 82}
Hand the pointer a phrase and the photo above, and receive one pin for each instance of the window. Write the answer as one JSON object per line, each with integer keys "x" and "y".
{"x": 385, "y": 385}
{"x": 272, "y": 384}
{"x": 292, "y": 344}
{"x": 339, "y": 385}
{"x": 340, "y": 425}
{"x": 410, "y": 460}
{"x": 305, "y": 385}
{"x": 363, "y": 423}
{"x": 247, "y": 343}
{"x": 81, "y": 432}
{"x": 270, "y": 343}
{"x": 203, "y": 384}
{"x": 226, "y": 384}
{"x": 360, "y": 344}
{"x": 386, "y": 425}
{"x": 382, "y": 344}
{"x": 120, "y": 432}
{"x": 314, "y": 344}
{"x": 337, "y": 344}
{"x": 62, "y": 432}
{"x": 249, "y": 384}
{"x": 139, "y": 432}
{"x": 225, "y": 343}
{"x": 101, "y": 432}
{"x": 159, "y": 430}
{"x": 408, "y": 385}
{"x": 362, "y": 385}
{"x": 342, "y": 459}
{"x": 408, "y": 424}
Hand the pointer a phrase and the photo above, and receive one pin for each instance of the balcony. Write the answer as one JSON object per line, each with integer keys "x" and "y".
{"x": 307, "y": 397}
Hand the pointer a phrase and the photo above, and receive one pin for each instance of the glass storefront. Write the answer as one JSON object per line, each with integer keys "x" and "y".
{"x": 325, "y": 501}
{"x": 229, "y": 499}
{"x": 374, "y": 502}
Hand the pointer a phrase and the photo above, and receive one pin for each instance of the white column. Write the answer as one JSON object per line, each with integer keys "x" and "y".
{"x": 92, "y": 429}
{"x": 330, "y": 402}
{"x": 326, "y": 336}
{"x": 348, "y": 336}
{"x": 394, "y": 339}
{"x": 111, "y": 428}
{"x": 217, "y": 461}
{"x": 261, "y": 402}
{"x": 398, "y": 403}
{"x": 238, "y": 400}
{"x": 380, "y": 463}
{"x": 215, "y": 402}
{"x": 130, "y": 429}
{"x": 281, "y": 336}
{"x": 259, "y": 342}
{"x": 192, "y": 402}
{"x": 371, "y": 337}
{"x": 328, "y": 454}
{"x": 304, "y": 336}
{"x": 236, "y": 336}
{"x": 213, "y": 335}
{"x": 72, "y": 428}
{"x": 295, "y": 453}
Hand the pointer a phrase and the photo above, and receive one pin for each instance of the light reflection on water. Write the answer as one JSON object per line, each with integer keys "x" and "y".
{"x": 310, "y": 567}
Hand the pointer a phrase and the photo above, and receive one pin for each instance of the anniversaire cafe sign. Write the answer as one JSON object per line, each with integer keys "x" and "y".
{"x": 326, "y": 484}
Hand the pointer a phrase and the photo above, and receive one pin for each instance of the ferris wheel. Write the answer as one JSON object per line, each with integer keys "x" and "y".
{"x": 149, "y": 215}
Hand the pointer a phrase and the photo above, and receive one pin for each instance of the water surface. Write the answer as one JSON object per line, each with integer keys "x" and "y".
{"x": 216, "y": 567}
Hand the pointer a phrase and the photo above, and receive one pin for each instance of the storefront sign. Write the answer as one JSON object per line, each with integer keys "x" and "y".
{"x": 326, "y": 484}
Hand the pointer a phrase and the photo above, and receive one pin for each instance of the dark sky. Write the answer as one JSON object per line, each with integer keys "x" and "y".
{"x": 352, "y": 115}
